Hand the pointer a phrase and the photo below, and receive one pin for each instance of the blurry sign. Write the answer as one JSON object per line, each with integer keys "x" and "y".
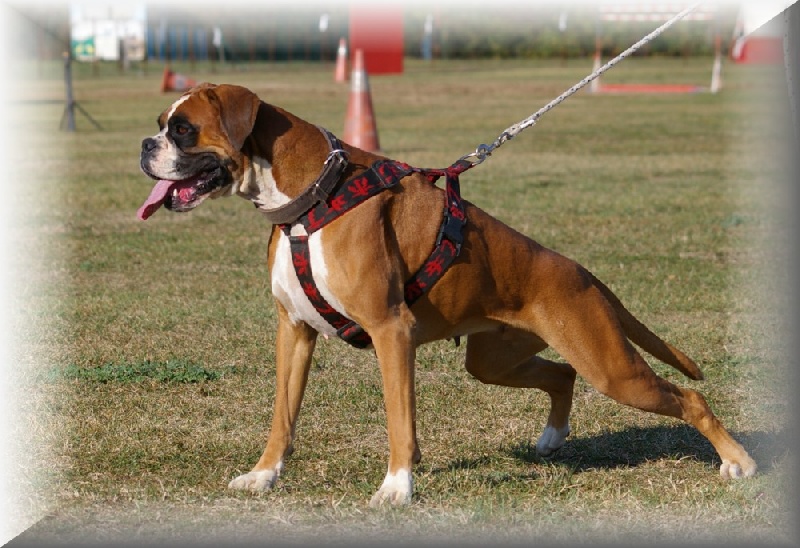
{"x": 107, "y": 31}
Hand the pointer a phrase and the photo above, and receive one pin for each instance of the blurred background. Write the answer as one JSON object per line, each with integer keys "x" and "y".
{"x": 133, "y": 33}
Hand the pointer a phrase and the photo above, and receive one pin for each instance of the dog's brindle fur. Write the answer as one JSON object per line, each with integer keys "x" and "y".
{"x": 507, "y": 294}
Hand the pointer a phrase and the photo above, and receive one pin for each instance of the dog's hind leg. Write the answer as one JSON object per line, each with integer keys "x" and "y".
{"x": 585, "y": 330}
{"x": 638, "y": 386}
{"x": 508, "y": 358}
{"x": 295, "y": 345}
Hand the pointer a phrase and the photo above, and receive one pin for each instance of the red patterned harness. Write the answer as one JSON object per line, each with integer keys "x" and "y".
{"x": 382, "y": 175}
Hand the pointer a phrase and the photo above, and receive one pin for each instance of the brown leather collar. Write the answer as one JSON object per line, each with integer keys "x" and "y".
{"x": 316, "y": 192}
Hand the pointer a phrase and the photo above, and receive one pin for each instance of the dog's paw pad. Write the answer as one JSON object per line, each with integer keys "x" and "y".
{"x": 261, "y": 480}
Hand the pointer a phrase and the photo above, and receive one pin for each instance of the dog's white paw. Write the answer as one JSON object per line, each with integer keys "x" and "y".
{"x": 734, "y": 470}
{"x": 551, "y": 440}
{"x": 396, "y": 489}
{"x": 261, "y": 480}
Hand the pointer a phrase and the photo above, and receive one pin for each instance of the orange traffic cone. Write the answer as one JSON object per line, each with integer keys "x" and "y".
{"x": 341, "y": 61}
{"x": 359, "y": 126}
{"x": 173, "y": 81}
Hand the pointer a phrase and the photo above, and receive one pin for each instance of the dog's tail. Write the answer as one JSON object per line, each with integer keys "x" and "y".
{"x": 640, "y": 335}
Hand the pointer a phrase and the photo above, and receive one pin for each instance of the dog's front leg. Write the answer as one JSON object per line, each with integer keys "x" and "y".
{"x": 295, "y": 345}
{"x": 395, "y": 349}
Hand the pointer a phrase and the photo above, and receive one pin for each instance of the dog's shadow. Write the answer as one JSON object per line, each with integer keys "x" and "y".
{"x": 637, "y": 445}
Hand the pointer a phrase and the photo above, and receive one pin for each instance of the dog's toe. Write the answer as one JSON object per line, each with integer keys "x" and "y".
{"x": 551, "y": 440}
{"x": 261, "y": 480}
{"x": 735, "y": 470}
{"x": 396, "y": 490}
{"x": 394, "y": 498}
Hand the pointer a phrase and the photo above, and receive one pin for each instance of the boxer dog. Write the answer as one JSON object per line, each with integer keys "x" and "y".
{"x": 508, "y": 295}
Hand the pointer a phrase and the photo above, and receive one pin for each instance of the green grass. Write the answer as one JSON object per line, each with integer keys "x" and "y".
{"x": 675, "y": 201}
{"x": 171, "y": 371}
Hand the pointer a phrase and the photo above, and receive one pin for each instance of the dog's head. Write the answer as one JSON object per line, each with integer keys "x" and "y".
{"x": 197, "y": 152}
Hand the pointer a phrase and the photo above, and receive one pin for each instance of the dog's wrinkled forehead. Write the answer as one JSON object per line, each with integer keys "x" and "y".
{"x": 218, "y": 115}
{"x": 193, "y": 113}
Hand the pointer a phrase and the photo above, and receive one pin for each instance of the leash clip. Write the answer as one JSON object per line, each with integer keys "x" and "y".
{"x": 481, "y": 153}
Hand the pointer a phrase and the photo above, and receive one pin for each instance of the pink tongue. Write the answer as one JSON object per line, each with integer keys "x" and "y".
{"x": 156, "y": 198}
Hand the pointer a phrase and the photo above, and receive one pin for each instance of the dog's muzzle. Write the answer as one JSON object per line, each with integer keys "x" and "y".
{"x": 197, "y": 176}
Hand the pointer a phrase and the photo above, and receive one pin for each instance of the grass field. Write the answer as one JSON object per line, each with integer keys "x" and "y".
{"x": 145, "y": 372}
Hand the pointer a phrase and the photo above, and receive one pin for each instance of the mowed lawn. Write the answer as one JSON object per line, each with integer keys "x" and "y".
{"x": 145, "y": 361}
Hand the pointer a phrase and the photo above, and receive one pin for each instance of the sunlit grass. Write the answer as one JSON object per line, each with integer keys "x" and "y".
{"x": 645, "y": 191}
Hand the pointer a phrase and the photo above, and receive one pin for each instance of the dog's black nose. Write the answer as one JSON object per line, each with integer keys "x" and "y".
{"x": 148, "y": 145}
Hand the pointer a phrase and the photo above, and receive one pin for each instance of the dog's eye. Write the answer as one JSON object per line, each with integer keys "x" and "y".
{"x": 182, "y": 132}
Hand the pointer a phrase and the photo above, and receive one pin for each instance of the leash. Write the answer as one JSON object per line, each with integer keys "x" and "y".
{"x": 484, "y": 151}
{"x": 336, "y": 161}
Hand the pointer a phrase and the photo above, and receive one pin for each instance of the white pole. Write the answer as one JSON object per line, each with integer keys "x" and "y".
{"x": 716, "y": 71}
{"x": 598, "y": 46}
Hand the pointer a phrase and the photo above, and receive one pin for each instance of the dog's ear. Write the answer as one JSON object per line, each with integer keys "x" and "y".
{"x": 238, "y": 108}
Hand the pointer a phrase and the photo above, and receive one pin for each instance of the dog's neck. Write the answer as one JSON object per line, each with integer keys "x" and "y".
{"x": 284, "y": 155}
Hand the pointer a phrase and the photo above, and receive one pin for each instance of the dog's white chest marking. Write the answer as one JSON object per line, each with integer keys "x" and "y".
{"x": 260, "y": 187}
{"x": 286, "y": 287}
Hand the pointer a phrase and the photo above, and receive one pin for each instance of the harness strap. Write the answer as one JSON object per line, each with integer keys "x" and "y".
{"x": 319, "y": 190}
{"x": 450, "y": 238}
{"x": 382, "y": 175}
{"x": 346, "y": 329}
